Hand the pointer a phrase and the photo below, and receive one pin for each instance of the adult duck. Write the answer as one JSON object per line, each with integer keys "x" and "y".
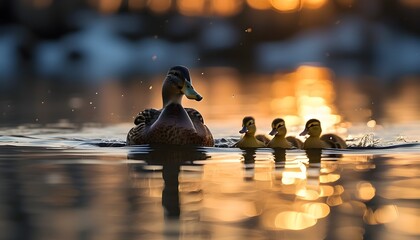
{"x": 173, "y": 124}
{"x": 280, "y": 140}
{"x": 315, "y": 140}
{"x": 249, "y": 140}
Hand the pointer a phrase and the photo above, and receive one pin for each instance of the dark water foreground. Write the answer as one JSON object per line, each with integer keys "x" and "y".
{"x": 69, "y": 188}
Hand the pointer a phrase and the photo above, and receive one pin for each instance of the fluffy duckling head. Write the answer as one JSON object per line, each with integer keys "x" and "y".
{"x": 177, "y": 84}
{"x": 278, "y": 127}
{"x": 312, "y": 128}
{"x": 248, "y": 126}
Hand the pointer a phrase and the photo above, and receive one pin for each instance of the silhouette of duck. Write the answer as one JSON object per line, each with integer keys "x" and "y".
{"x": 314, "y": 130}
{"x": 173, "y": 124}
{"x": 249, "y": 140}
{"x": 280, "y": 140}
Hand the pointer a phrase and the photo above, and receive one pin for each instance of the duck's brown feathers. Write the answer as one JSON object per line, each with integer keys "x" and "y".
{"x": 179, "y": 126}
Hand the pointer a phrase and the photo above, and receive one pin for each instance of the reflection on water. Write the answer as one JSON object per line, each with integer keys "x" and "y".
{"x": 150, "y": 192}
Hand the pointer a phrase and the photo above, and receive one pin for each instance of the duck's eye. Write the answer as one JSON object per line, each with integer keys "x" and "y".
{"x": 250, "y": 123}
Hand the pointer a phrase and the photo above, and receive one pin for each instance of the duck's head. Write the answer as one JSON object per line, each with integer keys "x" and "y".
{"x": 312, "y": 128}
{"x": 177, "y": 84}
{"x": 248, "y": 126}
{"x": 278, "y": 127}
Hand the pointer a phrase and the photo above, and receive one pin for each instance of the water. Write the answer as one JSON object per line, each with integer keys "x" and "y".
{"x": 67, "y": 182}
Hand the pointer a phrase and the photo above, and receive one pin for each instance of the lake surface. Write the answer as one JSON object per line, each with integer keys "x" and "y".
{"x": 67, "y": 182}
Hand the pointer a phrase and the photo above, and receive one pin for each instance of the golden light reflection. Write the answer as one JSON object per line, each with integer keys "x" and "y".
{"x": 314, "y": 4}
{"x": 386, "y": 214}
{"x": 307, "y": 194}
{"x": 365, "y": 191}
{"x": 259, "y": 4}
{"x": 316, "y": 210}
{"x": 159, "y": 6}
{"x": 326, "y": 191}
{"x": 328, "y": 178}
{"x": 402, "y": 189}
{"x": 407, "y": 221}
{"x": 334, "y": 200}
{"x": 352, "y": 207}
{"x": 191, "y": 7}
{"x": 226, "y": 210}
{"x": 293, "y": 171}
{"x": 294, "y": 220}
{"x": 369, "y": 217}
{"x": 306, "y": 93}
{"x": 226, "y": 7}
{"x": 206, "y": 7}
{"x": 286, "y": 5}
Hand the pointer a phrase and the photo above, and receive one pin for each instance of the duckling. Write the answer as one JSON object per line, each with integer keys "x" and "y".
{"x": 173, "y": 124}
{"x": 279, "y": 141}
{"x": 249, "y": 140}
{"x": 313, "y": 129}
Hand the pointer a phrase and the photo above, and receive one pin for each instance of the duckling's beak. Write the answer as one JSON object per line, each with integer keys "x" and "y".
{"x": 243, "y": 130}
{"x": 189, "y": 91}
{"x": 273, "y": 132}
{"x": 304, "y": 132}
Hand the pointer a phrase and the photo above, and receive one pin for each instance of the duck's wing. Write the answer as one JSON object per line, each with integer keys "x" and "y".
{"x": 333, "y": 141}
{"x": 202, "y": 130}
{"x": 147, "y": 117}
{"x": 296, "y": 143}
{"x": 143, "y": 120}
{"x": 264, "y": 140}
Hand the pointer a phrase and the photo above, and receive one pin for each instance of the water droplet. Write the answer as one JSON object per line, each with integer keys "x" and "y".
{"x": 150, "y": 87}
{"x": 90, "y": 103}
{"x": 371, "y": 123}
{"x": 96, "y": 93}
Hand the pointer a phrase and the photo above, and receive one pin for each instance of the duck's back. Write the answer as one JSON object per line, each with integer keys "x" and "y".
{"x": 172, "y": 125}
{"x": 334, "y": 141}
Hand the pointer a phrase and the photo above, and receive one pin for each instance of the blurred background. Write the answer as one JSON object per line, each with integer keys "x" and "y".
{"x": 103, "y": 61}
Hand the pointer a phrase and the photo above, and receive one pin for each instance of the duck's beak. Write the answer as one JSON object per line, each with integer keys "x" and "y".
{"x": 243, "y": 130}
{"x": 273, "y": 132}
{"x": 304, "y": 132}
{"x": 189, "y": 91}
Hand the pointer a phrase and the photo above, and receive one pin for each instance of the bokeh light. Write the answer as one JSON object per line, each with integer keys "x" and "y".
{"x": 159, "y": 6}
{"x": 314, "y": 4}
{"x": 259, "y": 4}
{"x": 286, "y": 5}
